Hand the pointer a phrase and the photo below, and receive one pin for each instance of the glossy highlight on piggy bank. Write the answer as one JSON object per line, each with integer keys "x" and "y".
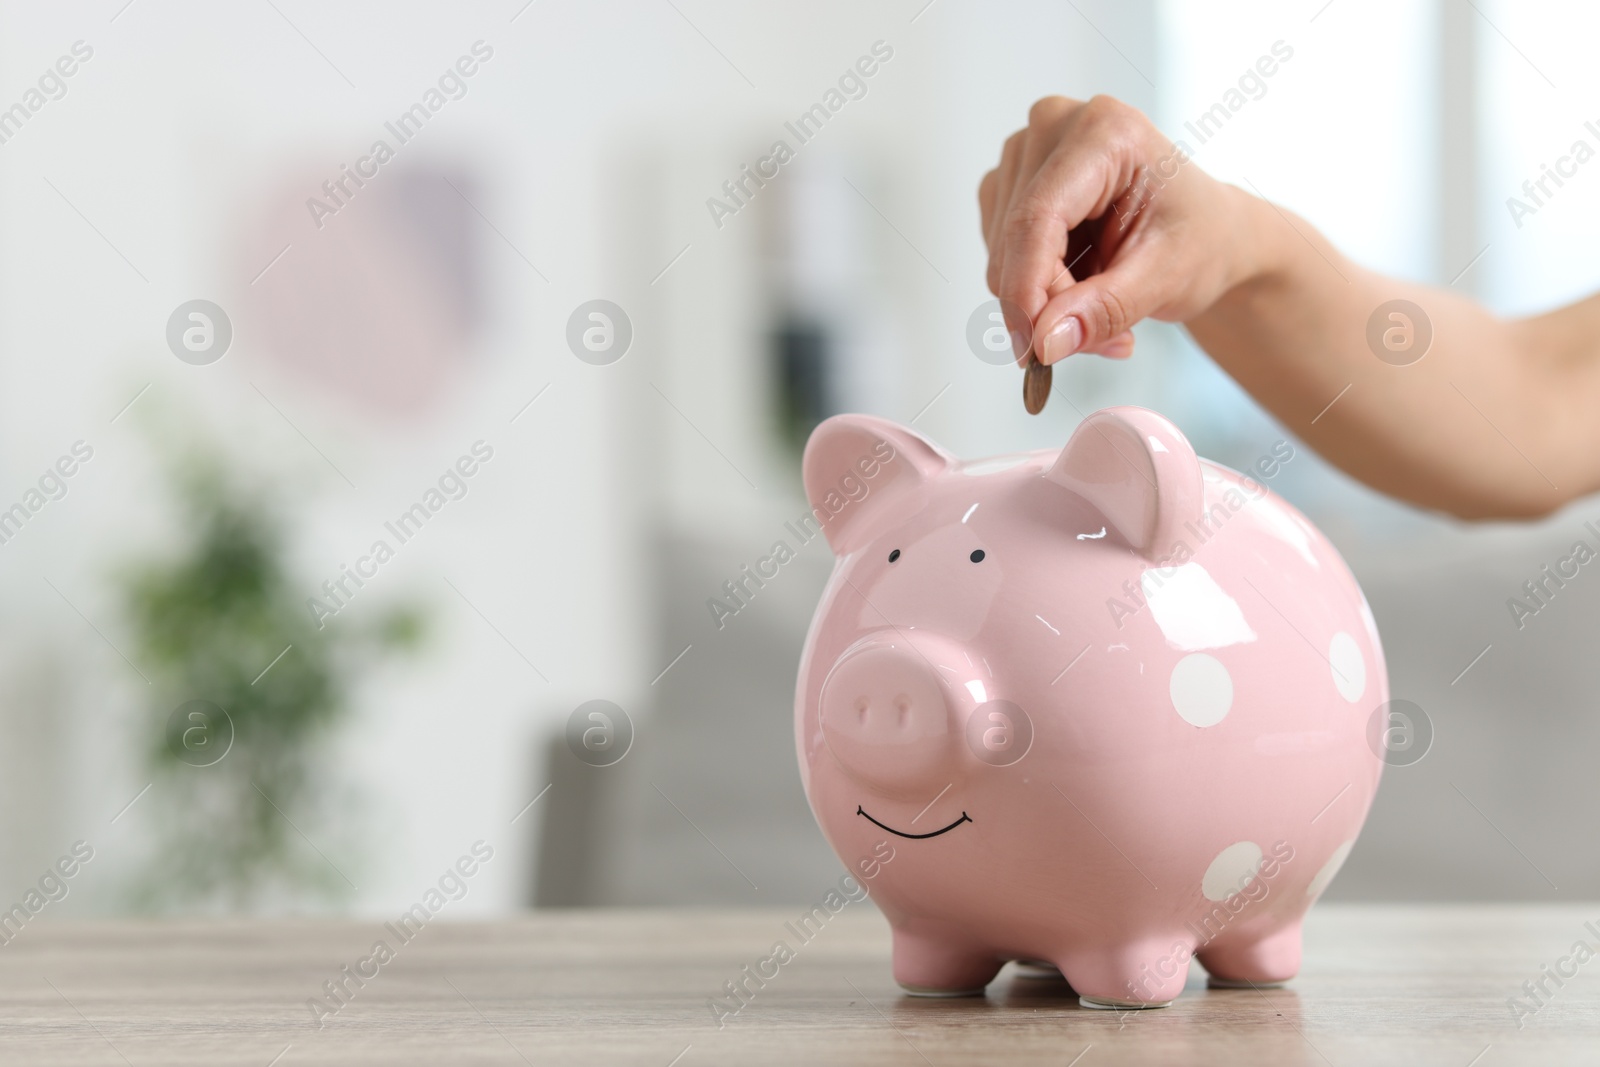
{"x": 1111, "y": 701}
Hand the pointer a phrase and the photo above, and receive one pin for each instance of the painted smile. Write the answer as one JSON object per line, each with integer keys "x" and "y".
{"x": 914, "y": 837}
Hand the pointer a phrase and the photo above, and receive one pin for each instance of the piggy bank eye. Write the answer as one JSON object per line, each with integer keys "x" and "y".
{"x": 977, "y": 555}
{"x": 894, "y": 555}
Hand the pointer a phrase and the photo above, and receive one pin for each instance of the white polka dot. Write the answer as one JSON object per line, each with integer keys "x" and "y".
{"x": 1329, "y": 869}
{"x": 1349, "y": 667}
{"x": 1234, "y": 868}
{"x": 1202, "y": 689}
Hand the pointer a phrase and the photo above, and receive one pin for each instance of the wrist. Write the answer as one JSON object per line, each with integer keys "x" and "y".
{"x": 1255, "y": 253}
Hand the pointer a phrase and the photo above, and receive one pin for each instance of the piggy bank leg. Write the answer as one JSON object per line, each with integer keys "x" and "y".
{"x": 1265, "y": 961}
{"x": 931, "y": 967}
{"x": 1146, "y": 974}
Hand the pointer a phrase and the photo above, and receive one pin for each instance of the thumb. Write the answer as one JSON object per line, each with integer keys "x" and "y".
{"x": 1089, "y": 314}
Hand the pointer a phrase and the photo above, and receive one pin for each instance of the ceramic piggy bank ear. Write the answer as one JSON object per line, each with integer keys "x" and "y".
{"x": 1139, "y": 471}
{"x": 856, "y": 467}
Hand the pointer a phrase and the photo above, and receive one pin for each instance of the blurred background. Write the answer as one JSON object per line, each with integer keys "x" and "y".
{"x": 263, "y": 346}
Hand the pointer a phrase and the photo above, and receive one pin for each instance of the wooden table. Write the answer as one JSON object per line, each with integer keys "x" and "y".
{"x": 1426, "y": 985}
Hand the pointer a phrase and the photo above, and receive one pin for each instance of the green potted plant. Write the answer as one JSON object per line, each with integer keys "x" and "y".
{"x": 246, "y": 694}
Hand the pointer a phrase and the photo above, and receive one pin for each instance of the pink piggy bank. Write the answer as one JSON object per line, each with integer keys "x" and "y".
{"x": 1106, "y": 709}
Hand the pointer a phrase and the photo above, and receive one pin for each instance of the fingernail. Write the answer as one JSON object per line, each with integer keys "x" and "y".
{"x": 1019, "y": 344}
{"x": 1062, "y": 340}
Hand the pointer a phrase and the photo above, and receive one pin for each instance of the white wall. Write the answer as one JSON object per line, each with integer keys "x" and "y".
{"x": 168, "y": 140}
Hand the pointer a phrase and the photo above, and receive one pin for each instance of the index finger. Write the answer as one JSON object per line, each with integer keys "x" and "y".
{"x": 1076, "y": 182}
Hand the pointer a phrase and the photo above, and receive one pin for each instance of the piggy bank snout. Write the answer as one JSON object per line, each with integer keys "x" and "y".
{"x": 887, "y": 718}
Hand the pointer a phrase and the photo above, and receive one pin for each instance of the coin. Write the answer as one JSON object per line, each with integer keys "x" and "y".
{"x": 1035, "y": 385}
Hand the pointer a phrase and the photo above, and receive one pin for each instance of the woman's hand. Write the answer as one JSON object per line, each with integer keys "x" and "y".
{"x": 1095, "y": 221}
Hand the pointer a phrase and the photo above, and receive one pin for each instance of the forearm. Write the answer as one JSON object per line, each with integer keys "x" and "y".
{"x": 1496, "y": 420}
